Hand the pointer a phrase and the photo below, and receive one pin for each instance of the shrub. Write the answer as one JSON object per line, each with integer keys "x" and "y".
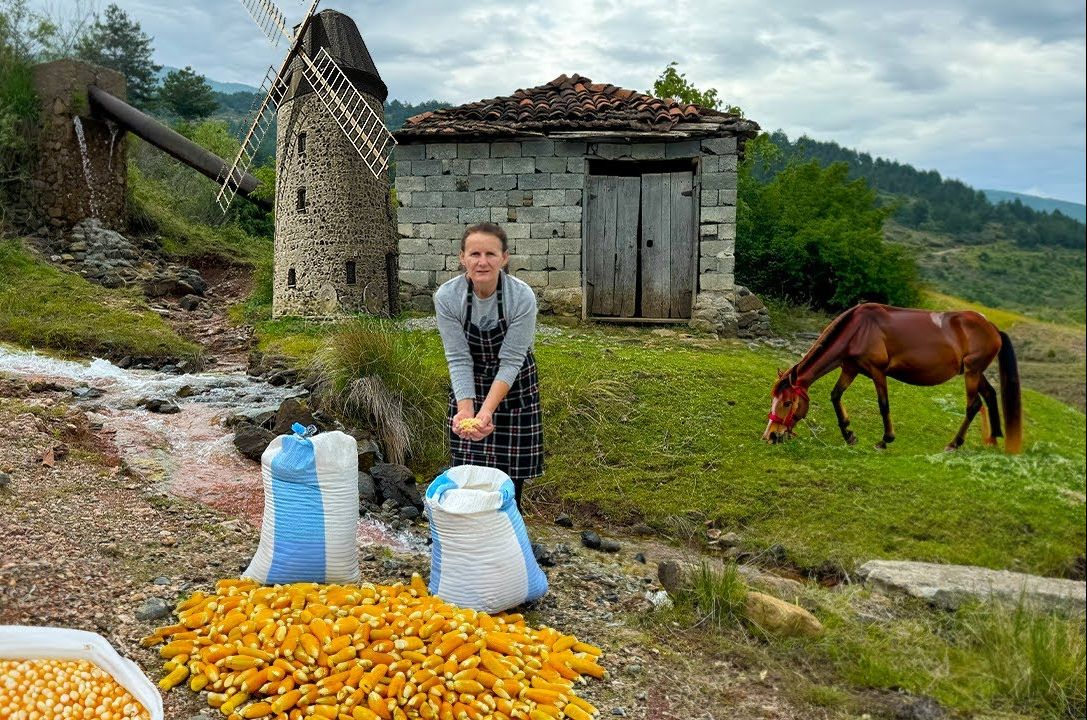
{"x": 811, "y": 236}
{"x": 385, "y": 379}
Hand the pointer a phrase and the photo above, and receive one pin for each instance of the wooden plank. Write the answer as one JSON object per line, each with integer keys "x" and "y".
{"x": 605, "y": 291}
{"x": 594, "y": 241}
{"x": 656, "y": 255}
{"x": 628, "y": 202}
{"x": 682, "y": 245}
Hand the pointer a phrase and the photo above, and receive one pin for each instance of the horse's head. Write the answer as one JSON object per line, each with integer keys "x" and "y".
{"x": 788, "y": 406}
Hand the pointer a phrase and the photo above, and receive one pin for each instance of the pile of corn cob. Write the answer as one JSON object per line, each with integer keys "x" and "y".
{"x": 369, "y": 652}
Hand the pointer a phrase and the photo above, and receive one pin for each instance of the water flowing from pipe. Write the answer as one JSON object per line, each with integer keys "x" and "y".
{"x": 86, "y": 164}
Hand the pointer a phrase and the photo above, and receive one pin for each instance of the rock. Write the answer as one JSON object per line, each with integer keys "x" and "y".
{"x": 543, "y": 557}
{"x": 160, "y": 405}
{"x": 780, "y": 586}
{"x": 86, "y": 393}
{"x": 5, "y": 481}
{"x": 901, "y": 706}
{"x": 729, "y": 539}
{"x": 609, "y": 545}
{"x": 161, "y": 580}
{"x": 260, "y": 417}
{"x": 397, "y": 483}
{"x": 564, "y": 520}
{"x": 369, "y": 454}
{"x": 659, "y": 598}
{"x": 291, "y": 411}
{"x": 189, "y": 302}
{"x": 640, "y": 557}
{"x": 185, "y": 391}
{"x": 590, "y": 540}
{"x": 948, "y": 586}
{"x": 409, "y": 512}
{"x": 779, "y": 617}
{"x": 251, "y": 441}
{"x": 152, "y": 609}
{"x": 367, "y": 489}
{"x": 671, "y": 576}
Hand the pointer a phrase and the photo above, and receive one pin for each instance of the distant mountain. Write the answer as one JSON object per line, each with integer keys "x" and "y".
{"x": 1068, "y": 209}
{"x": 227, "y": 88}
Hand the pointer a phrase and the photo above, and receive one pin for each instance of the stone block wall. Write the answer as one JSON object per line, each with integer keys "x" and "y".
{"x": 75, "y": 177}
{"x": 535, "y": 189}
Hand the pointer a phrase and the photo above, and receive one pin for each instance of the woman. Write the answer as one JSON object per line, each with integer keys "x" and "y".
{"x": 487, "y": 320}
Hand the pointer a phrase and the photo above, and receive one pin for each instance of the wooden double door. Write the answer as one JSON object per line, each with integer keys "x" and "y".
{"x": 640, "y": 245}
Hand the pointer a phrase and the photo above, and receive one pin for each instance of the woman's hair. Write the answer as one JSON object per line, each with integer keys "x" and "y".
{"x": 486, "y": 228}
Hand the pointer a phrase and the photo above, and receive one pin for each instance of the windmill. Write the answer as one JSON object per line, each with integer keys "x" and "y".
{"x": 335, "y": 232}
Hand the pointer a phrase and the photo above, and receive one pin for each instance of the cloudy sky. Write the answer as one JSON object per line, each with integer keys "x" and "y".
{"x": 988, "y": 91}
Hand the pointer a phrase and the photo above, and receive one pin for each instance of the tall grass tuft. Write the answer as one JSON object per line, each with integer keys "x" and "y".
{"x": 1031, "y": 659}
{"x": 381, "y": 377}
{"x": 717, "y": 597}
{"x": 583, "y": 402}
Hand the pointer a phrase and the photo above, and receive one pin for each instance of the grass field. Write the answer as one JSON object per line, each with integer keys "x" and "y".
{"x": 643, "y": 428}
{"x": 45, "y": 308}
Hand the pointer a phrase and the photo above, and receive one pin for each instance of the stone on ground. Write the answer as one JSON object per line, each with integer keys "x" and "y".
{"x": 779, "y": 617}
{"x": 949, "y": 586}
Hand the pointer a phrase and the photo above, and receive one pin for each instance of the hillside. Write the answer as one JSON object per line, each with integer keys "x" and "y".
{"x": 1076, "y": 211}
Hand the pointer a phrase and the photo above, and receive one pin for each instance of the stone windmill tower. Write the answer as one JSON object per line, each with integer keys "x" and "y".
{"x": 335, "y": 232}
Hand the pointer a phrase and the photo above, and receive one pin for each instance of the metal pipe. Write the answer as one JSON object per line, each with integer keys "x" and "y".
{"x": 173, "y": 144}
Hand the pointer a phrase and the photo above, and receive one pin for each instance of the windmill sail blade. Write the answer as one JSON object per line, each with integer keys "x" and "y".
{"x": 272, "y": 91}
{"x": 362, "y": 126}
{"x": 269, "y": 19}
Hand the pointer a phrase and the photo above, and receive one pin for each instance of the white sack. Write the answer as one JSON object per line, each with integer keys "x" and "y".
{"x": 311, "y": 510}
{"x": 480, "y": 557}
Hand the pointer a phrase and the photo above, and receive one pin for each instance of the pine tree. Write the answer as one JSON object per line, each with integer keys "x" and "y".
{"x": 187, "y": 95}
{"x": 118, "y": 43}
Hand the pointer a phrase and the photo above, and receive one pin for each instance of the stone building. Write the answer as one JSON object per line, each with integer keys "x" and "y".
{"x": 618, "y": 205}
{"x": 335, "y": 235}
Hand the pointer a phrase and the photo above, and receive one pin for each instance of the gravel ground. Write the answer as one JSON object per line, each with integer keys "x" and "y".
{"x": 87, "y": 541}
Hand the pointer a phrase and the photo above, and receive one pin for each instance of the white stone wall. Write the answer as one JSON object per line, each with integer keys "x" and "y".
{"x": 535, "y": 190}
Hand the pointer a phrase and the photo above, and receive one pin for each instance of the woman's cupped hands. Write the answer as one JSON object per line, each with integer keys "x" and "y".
{"x": 472, "y": 425}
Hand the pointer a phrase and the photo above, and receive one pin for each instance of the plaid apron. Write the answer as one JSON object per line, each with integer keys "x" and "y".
{"x": 516, "y": 445}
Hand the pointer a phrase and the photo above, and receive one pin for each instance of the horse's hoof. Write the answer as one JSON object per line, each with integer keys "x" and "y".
{"x": 851, "y": 439}
{"x": 951, "y": 447}
{"x": 991, "y": 442}
{"x": 881, "y": 445}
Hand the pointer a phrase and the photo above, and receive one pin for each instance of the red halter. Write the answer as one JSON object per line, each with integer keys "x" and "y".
{"x": 788, "y": 421}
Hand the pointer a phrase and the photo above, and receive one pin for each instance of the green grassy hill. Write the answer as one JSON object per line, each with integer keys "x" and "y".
{"x": 1044, "y": 283}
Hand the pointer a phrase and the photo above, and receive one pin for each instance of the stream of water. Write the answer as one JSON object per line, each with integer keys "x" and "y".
{"x": 191, "y": 451}
{"x": 87, "y": 175}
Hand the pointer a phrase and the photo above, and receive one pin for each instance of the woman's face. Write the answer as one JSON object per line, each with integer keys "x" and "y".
{"x": 483, "y": 257}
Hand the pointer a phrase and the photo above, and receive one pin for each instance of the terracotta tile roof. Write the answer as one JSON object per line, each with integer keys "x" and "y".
{"x": 571, "y": 104}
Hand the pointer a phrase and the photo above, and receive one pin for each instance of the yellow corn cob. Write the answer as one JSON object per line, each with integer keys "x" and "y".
{"x": 175, "y": 676}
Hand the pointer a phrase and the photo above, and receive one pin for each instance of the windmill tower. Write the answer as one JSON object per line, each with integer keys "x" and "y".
{"x": 335, "y": 232}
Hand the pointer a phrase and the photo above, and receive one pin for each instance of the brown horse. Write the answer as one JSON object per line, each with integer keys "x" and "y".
{"x": 915, "y": 346}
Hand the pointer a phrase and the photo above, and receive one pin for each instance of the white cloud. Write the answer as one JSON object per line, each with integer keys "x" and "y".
{"x": 988, "y": 91}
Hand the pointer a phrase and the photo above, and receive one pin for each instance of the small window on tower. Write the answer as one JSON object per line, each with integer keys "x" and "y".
{"x": 301, "y": 143}
{"x": 301, "y": 204}
{"x": 351, "y": 272}
{"x": 292, "y": 280}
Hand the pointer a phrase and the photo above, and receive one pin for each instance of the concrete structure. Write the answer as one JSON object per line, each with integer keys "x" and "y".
{"x": 335, "y": 239}
{"x": 573, "y": 171}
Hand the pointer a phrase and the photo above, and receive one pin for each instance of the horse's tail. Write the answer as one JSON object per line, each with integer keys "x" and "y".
{"x": 1009, "y": 396}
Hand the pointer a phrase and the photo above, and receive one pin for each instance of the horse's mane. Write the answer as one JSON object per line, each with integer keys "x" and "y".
{"x": 829, "y": 334}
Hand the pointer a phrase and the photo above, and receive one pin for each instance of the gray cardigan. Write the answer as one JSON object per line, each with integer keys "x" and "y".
{"x": 450, "y": 306}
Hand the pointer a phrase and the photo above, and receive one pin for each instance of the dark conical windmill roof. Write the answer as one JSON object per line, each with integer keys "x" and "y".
{"x": 339, "y": 35}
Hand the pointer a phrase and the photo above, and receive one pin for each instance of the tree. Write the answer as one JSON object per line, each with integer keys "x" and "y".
{"x": 673, "y": 84}
{"x": 118, "y": 43}
{"x": 811, "y": 235}
{"x": 187, "y": 95}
